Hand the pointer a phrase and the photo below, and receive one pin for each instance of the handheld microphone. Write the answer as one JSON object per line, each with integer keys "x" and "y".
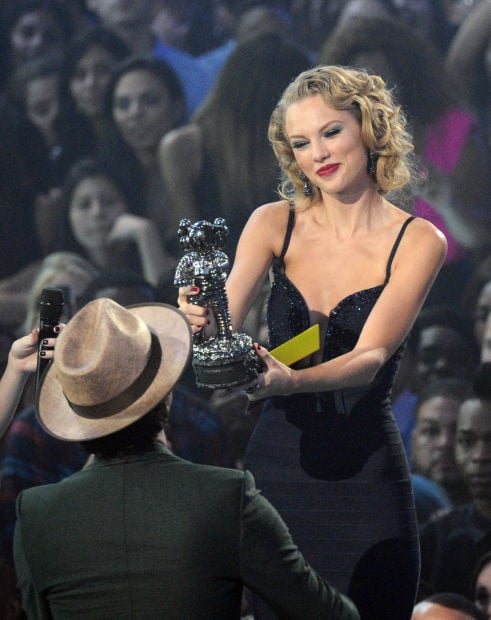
{"x": 50, "y": 310}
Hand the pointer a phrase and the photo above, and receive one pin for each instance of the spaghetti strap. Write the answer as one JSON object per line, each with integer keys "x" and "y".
{"x": 289, "y": 229}
{"x": 395, "y": 246}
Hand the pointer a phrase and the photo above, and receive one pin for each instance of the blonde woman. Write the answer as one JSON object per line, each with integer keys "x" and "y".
{"x": 326, "y": 450}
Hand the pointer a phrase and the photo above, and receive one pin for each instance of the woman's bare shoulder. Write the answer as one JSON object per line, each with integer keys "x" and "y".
{"x": 428, "y": 232}
{"x": 272, "y": 212}
{"x": 184, "y": 141}
{"x": 180, "y": 154}
{"x": 266, "y": 226}
{"x": 424, "y": 239}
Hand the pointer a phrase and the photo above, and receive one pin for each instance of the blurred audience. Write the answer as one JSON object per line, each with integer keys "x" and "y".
{"x": 101, "y": 223}
{"x": 468, "y": 62}
{"x": 447, "y": 606}
{"x": 144, "y": 102}
{"x": 32, "y": 29}
{"x": 451, "y": 544}
{"x": 476, "y": 298}
{"x": 482, "y": 585}
{"x": 221, "y": 163}
{"x": 433, "y": 436}
{"x": 134, "y": 23}
{"x": 441, "y": 346}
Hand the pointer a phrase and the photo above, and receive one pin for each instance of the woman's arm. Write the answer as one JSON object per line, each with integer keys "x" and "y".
{"x": 180, "y": 167}
{"x": 22, "y": 361}
{"x": 144, "y": 233}
{"x": 416, "y": 265}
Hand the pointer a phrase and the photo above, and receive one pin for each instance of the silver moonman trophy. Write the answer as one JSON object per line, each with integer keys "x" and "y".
{"x": 228, "y": 359}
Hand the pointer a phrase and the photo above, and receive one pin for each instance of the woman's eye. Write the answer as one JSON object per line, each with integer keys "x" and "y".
{"x": 332, "y": 132}
{"x": 298, "y": 144}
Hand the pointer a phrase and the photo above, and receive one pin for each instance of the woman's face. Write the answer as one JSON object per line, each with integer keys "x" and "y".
{"x": 42, "y": 105}
{"x": 482, "y": 594}
{"x": 143, "y": 110}
{"x": 90, "y": 80}
{"x": 328, "y": 146}
{"x": 35, "y": 34}
{"x": 95, "y": 206}
{"x": 483, "y": 308}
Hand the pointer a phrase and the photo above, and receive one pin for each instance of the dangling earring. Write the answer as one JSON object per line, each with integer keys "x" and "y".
{"x": 372, "y": 165}
{"x": 307, "y": 188}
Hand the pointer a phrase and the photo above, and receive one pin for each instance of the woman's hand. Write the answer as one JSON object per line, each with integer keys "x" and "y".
{"x": 24, "y": 351}
{"x": 202, "y": 319}
{"x": 276, "y": 380}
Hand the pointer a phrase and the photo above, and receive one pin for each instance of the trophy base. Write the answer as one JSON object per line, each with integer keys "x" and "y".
{"x": 225, "y": 363}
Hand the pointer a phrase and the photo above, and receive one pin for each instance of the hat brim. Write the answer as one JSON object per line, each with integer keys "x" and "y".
{"x": 173, "y": 331}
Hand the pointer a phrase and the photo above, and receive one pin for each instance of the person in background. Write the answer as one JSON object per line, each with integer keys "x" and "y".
{"x": 447, "y": 606}
{"x": 103, "y": 224}
{"x": 187, "y": 26}
{"x": 476, "y": 298}
{"x": 29, "y": 455}
{"x": 440, "y": 346}
{"x": 191, "y": 535}
{"x": 22, "y": 178}
{"x": 34, "y": 90}
{"x": 203, "y": 163}
{"x": 345, "y": 258}
{"x": 32, "y": 29}
{"x": 22, "y": 362}
{"x": 79, "y": 124}
{"x": 144, "y": 102}
{"x": 482, "y": 584}
{"x": 88, "y": 63}
{"x": 133, "y": 22}
{"x": 451, "y": 544}
{"x": 433, "y": 438}
{"x": 467, "y": 63}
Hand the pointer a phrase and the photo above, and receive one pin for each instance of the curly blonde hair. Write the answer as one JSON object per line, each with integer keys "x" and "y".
{"x": 382, "y": 121}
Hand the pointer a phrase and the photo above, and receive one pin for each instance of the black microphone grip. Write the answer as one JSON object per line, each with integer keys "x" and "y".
{"x": 51, "y": 305}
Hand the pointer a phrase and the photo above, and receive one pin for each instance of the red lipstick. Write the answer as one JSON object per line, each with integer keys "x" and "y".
{"x": 325, "y": 171}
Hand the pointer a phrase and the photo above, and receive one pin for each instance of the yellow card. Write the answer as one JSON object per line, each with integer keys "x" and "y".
{"x": 300, "y": 346}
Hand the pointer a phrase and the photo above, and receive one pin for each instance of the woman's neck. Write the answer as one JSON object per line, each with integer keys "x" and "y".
{"x": 348, "y": 215}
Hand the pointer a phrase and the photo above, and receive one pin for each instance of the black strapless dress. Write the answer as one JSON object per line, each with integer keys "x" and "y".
{"x": 334, "y": 466}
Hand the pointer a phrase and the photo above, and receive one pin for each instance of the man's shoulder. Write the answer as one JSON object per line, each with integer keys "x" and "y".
{"x": 448, "y": 520}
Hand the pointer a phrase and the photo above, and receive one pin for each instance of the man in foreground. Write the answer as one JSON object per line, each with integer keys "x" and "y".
{"x": 141, "y": 533}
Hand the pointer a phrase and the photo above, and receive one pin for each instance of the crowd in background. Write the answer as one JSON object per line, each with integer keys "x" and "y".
{"x": 118, "y": 118}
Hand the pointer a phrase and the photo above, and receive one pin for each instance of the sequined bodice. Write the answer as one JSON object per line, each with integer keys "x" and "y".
{"x": 288, "y": 315}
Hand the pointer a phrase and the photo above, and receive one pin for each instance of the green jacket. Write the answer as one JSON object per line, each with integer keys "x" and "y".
{"x": 154, "y": 536}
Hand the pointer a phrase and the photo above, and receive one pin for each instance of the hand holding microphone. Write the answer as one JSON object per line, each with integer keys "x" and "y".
{"x": 50, "y": 310}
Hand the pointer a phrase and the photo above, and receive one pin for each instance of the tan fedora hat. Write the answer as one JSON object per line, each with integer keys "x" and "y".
{"x": 110, "y": 367}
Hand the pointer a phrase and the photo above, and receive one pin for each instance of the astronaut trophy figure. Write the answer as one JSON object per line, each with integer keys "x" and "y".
{"x": 227, "y": 359}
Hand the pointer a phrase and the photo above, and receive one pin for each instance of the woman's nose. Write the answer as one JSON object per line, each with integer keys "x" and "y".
{"x": 320, "y": 152}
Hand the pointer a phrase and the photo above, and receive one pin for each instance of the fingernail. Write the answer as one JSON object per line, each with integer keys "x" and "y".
{"x": 42, "y": 353}
{"x": 194, "y": 289}
{"x": 56, "y": 329}
{"x": 45, "y": 341}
